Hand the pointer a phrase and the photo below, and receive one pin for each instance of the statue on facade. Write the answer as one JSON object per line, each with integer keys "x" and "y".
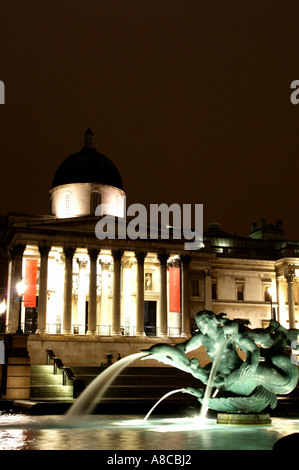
{"x": 243, "y": 386}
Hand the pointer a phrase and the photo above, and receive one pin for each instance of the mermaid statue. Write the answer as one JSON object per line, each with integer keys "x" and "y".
{"x": 242, "y": 385}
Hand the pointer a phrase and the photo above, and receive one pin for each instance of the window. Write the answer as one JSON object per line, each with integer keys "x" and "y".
{"x": 214, "y": 290}
{"x": 67, "y": 202}
{"x": 267, "y": 294}
{"x": 195, "y": 288}
{"x": 240, "y": 292}
{"x": 95, "y": 201}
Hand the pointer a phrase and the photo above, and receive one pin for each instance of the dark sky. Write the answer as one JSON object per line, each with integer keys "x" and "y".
{"x": 189, "y": 98}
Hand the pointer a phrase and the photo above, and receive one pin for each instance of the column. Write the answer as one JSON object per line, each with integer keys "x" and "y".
{"x": 290, "y": 280}
{"x": 92, "y": 303}
{"x": 128, "y": 306}
{"x": 278, "y": 287}
{"x": 104, "y": 322}
{"x": 81, "y": 319}
{"x": 16, "y": 276}
{"x": 185, "y": 259}
{"x": 68, "y": 290}
{"x": 140, "y": 294}
{"x": 117, "y": 255}
{"x": 162, "y": 318}
{"x": 208, "y": 289}
{"x": 43, "y": 289}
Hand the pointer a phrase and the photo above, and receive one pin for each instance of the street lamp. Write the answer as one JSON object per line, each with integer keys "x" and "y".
{"x": 2, "y": 307}
{"x": 21, "y": 287}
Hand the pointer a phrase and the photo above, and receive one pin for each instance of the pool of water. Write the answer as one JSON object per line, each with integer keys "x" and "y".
{"x": 23, "y": 432}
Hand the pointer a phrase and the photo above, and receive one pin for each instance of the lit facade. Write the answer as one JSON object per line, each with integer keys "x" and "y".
{"x": 79, "y": 286}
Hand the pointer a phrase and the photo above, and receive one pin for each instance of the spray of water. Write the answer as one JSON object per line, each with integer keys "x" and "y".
{"x": 208, "y": 390}
{"x": 87, "y": 401}
{"x": 161, "y": 399}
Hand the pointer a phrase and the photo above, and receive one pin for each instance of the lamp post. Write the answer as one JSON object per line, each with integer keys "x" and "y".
{"x": 21, "y": 287}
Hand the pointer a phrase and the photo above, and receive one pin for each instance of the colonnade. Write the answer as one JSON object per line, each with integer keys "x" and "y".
{"x": 285, "y": 279}
{"x": 93, "y": 254}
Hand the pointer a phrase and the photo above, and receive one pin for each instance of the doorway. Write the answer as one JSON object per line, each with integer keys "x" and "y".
{"x": 31, "y": 314}
{"x": 150, "y": 314}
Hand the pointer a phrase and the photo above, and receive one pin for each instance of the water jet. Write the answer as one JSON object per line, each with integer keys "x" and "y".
{"x": 87, "y": 401}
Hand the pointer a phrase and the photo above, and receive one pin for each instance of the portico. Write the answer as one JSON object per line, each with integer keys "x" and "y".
{"x": 97, "y": 291}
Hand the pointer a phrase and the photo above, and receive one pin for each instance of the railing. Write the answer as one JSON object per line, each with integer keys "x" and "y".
{"x": 174, "y": 331}
{"x": 67, "y": 373}
{"x": 106, "y": 330}
{"x": 79, "y": 329}
{"x": 53, "y": 328}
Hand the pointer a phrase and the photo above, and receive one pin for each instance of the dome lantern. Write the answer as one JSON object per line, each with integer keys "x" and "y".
{"x": 88, "y": 140}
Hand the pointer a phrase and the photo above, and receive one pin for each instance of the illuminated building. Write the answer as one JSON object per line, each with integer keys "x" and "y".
{"x": 86, "y": 296}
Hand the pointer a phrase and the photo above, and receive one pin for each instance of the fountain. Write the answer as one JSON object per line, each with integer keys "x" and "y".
{"x": 244, "y": 388}
{"x": 161, "y": 399}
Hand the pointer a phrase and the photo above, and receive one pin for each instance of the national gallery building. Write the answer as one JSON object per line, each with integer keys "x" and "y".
{"x": 84, "y": 297}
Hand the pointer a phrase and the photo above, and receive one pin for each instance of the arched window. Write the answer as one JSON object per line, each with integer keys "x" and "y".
{"x": 67, "y": 202}
{"x": 95, "y": 200}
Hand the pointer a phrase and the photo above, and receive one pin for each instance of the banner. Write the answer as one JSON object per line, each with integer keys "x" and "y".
{"x": 30, "y": 279}
{"x": 174, "y": 290}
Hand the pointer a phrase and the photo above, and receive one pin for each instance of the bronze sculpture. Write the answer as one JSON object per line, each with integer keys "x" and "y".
{"x": 243, "y": 386}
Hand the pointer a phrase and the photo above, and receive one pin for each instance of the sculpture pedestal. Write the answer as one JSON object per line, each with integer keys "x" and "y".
{"x": 243, "y": 419}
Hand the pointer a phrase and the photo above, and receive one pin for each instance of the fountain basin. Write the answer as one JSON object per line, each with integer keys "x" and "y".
{"x": 125, "y": 433}
{"x": 243, "y": 419}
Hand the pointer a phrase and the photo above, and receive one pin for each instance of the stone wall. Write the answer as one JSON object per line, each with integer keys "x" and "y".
{"x": 91, "y": 350}
{"x": 16, "y": 373}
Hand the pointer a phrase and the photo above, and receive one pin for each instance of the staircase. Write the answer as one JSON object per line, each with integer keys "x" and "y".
{"x": 46, "y": 386}
{"x": 134, "y": 390}
{"x": 134, "y": 385}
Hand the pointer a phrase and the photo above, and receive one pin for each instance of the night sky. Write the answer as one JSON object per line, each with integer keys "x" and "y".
{"x": 189, "y": 98}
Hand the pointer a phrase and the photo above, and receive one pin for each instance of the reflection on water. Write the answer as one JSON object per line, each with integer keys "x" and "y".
{"x": 20, "y": 432}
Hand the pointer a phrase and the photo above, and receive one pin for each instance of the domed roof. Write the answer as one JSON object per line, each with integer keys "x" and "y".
{"x": 87, "y": 166}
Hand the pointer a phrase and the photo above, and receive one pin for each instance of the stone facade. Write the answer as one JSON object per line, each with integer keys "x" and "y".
{"x": 84, "y": 294}
{"x": 101, "y": 289}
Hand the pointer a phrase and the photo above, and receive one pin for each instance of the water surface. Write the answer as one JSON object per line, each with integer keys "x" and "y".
{"x": 22, "y": 432}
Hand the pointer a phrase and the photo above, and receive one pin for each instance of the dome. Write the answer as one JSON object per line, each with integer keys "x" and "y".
{"x": 87, "y": 166}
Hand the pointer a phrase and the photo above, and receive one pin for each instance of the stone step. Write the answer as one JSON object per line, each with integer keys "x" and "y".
{"x": 42, "y": 369}
{"x": 46, "y": 380}
{"x": 129, "y": 381}
{"x": 45, "y": 385}
{"x": 51, "y": 391}
{"x": 135, "y": 371}
{"x": 139, "y": 391}
{"x": 132, "y": 383}
{"x": 147, "y": 376}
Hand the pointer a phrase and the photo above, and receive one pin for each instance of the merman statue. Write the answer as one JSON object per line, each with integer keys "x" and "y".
{"x": 244, "y": 386}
